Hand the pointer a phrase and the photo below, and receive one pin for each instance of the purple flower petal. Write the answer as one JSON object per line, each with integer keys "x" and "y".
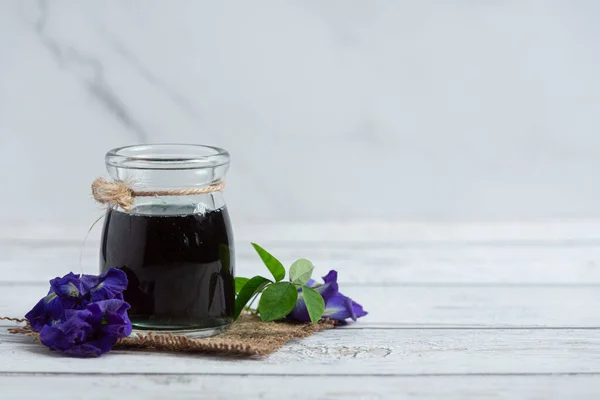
{"x": 68, "y": 334}
{"x": 337, "y": 306}
{"x": 341, "y": 307}
{"x": 327, "y": 290}
{"x": 67, "y": 286}
{"x": 48, "y": 309}
{"x": 115, "y": 321}
{"x": 109, "y": 285}
{"x": 64, "y": 294}
{"x": 112, "y": 307}
{"x": 299, "y": 312}
{"x": 90, "y": 332}
{"x": 90, "y": 349}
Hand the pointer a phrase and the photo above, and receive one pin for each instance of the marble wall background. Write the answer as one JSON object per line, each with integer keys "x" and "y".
{"x": 332, "y": 110}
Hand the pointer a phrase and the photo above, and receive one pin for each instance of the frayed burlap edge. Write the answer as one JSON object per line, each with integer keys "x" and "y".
{"x": 248, "y": 336}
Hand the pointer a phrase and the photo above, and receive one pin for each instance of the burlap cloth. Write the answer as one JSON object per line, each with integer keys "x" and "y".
{"x": 247, "y": 336}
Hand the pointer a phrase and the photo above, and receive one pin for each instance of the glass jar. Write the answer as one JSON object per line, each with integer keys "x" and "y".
{"x": 176, "y": 249}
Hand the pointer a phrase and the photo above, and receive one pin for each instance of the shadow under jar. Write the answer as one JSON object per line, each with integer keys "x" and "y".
{"x": 177, "y": 250}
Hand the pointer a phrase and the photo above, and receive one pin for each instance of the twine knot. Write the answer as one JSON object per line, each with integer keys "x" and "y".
{"x": 113, "y": 192}
{"x": 118, "y": 192}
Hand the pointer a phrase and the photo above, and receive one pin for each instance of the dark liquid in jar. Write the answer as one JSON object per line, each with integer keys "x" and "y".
{"x": 179, "y": 264}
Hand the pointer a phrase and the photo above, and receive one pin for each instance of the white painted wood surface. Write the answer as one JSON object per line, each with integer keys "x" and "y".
{"x": 463, "y": 311}
{"x": 192, "y": 387}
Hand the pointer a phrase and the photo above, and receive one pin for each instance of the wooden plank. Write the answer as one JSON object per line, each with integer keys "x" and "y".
{"x": 428, "y": 306}
{"x": 356, "y": 263}
{"x": 397, "y": 352}
{"x": 98, "y": 387}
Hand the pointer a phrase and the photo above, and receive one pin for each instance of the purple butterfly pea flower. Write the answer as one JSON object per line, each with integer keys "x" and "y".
{"x": 64, "y": 294}
{"x": 89, "y": 332}
{"x": 115, "y": 322}
{"x": 109, "y": 285}
{"x": 71, "y": 336}
{"x": 48, "y": 309}
{"x": 67, "y": 286}
{"x": 337, "y": 306}
{"x": 74, "y": 292}
{"x": 341, "y": 307}
{"x": 327, "y": 290}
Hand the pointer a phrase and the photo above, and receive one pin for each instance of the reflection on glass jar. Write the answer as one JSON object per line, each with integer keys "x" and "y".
{"x": 177, "y": 250}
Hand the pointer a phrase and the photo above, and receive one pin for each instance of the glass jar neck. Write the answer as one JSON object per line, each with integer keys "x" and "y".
{"x": 164, "y": 168}
{"x": 167, "y": 166}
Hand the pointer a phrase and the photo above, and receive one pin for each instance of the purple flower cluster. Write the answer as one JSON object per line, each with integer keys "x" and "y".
{"x": 337, "y": 306}
{"x": 83, "y": 316}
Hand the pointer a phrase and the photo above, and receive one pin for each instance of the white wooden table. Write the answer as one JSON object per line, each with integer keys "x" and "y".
{"x": 459, "y": 311}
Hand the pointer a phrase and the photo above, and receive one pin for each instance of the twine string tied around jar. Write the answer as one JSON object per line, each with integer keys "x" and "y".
{"x": 120, "y": 193}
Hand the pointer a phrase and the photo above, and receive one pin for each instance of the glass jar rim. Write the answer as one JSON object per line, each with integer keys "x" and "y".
{"x": 167, "y": 156}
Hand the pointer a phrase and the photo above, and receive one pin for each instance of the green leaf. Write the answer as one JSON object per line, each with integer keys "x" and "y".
{"x": 253, "y": 286}
{"x": 301, "y": 271}
{"x": 277, "y": 301}
{"x": 314, "y": 303}
{"x": 274, "y": 265}
{"x": 239, "y": 283}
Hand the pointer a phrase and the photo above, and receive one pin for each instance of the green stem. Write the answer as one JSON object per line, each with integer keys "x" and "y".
{"x": 255, "y": 296}
{"x": 249, "y": 305}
